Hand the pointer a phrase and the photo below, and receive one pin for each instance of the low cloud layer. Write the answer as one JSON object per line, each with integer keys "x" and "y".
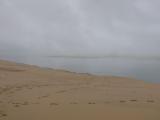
{"x": 84, "y": 27}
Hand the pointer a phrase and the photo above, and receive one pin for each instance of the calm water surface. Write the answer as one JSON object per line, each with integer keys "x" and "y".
{"x": 144, "y": 69}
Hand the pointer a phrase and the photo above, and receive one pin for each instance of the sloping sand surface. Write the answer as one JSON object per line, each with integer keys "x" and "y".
{"x": 33, "y": 93}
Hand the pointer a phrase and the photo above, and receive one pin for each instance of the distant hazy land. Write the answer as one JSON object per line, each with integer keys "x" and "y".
{"x": 154, "y": 57}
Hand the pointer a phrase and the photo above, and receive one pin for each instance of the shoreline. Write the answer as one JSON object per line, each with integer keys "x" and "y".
{"x": 36, "y": 93}
{"x": 68, "y": 71}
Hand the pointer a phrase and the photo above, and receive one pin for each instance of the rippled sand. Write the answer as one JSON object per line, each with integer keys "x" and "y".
{"x": 34, "y": 93}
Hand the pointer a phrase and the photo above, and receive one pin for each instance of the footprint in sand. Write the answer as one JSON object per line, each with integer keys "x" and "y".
{"x": 25, "y": 103}
{"x": 3, "y": 115}
{"x": 133, "y": 100}
{"x": 150, "y": 101}
{"x": 122, "y": 101}
{"x": 91, "y": 103}
{"x": 45, "y": 96}
{"x": 17, "y": 105}
{"x": 61, "y": 91}
{"x": 53, "y": 104}
{"x": 20, "y": 104}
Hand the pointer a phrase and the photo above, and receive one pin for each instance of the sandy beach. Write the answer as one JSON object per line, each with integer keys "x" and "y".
{"x": 33, "y": 93}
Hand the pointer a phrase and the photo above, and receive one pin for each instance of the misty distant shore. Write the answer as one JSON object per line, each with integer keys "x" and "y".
{"x": 156, "y": 57}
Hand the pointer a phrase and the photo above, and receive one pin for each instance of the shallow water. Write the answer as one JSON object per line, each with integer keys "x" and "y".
{"x": 143, "y": 69}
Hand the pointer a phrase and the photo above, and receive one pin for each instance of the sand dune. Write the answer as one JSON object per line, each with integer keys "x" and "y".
{"x": 34, "y": 93}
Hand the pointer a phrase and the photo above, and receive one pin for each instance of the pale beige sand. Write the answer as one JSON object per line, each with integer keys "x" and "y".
{"x": 33, "y": 93}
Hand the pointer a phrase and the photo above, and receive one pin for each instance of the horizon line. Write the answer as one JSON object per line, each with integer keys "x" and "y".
{"x": 107, "y": 56}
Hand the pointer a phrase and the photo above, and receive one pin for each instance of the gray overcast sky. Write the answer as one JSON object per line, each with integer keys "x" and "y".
{"x": 80, "y": 27}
